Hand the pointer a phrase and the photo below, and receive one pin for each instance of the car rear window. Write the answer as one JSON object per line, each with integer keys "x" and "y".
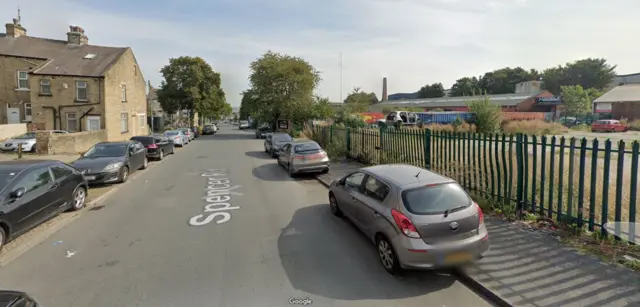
{"x": 307, "y": 147}
{"x": 144, "y": 140}
{"x": 282, "y": 138}
{"x": 435, "y": 199}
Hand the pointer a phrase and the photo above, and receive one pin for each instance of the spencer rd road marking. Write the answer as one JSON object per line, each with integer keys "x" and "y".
{"x": 218, "y": 198}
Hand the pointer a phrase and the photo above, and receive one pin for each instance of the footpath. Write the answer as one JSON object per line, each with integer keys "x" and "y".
{"x": 528, "y": 268}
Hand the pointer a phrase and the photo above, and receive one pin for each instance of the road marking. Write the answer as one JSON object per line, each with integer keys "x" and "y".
{"x": 218, "y": 198}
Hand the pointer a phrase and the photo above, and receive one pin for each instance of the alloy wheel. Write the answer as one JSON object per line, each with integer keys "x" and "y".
{"x": 386, "y": 254}
{"x": 125, "y": 174}
{"x": 79, "y": 198}
{"x": 161, "y": 154}
{"x": 333, "y": 204}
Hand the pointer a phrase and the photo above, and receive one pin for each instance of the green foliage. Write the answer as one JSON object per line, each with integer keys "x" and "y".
{"x": 577, "y": 100}
{"x": 358, "y": 101}
{"x": 504, "y": 80}
{"x": 488, "y": 115}
{"x": 190, "y": 83}
{"x": 344, "y": 117}
{"x": 465, "y": 87}
{"x": 281, "y": 87}
{"x": 431, "y": 91}
{"x": 588, "y": 73}
{"x": 321, "y": 108}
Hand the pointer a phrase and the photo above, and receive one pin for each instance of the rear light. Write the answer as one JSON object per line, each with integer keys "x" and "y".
{"x": 177, "y": 137}
{"x": 323, "y": 154}
{"x": 480, "y": 214}
{"x": 298, "y": 157}
{"x": 152, "y": 146}
{"x": 405, "y": 224}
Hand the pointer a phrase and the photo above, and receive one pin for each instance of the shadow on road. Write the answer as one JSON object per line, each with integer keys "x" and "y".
{"x": 271, "y": 172}
{"x": 228, "y": 136}
{"x": 259, "y": 155}
{"x": 327, "y": 256}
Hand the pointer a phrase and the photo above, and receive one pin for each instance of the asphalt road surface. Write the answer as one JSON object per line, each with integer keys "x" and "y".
{"x": 150, "y": 244}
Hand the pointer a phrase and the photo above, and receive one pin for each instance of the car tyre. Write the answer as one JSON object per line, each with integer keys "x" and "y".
{"x": 333, "y": 205}
{"x": 79, "y": 197}
{"x": 124, "y": 174}
{"x": 387, "y": 255}
{"x": 292, "y": 172}
{"x": 3, "y": 237}
{"x": 161, "y": 156}
{"x": 324, "y": 171}
{"x": 145, "y": 164}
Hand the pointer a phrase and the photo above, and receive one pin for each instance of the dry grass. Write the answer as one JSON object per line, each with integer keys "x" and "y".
{"x": 634, "y": 125}
{"x": 534, "y": 127}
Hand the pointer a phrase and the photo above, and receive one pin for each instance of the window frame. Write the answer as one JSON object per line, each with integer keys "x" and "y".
{"x": 25, "y": 79}
{"x": 124, "y": 122}
{"x": 42, "y": 86}
{"x": 86, "y": 90}
{"x": 28, "y": 116}
{"x": 75, "y": 119}
{"x": 142, "y": 120}
{"x": 123, "y": 92}
{"x": 359, "y": 187}
{"x": 18, "y": 181}
{"x": 372, "y": 194}
{"x": 93, "y": 118}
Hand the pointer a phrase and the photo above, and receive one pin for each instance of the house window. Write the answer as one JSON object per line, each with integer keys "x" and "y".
{"x": 143, "y": 119}
{"x": 45, "y": 87}
{"x": 135, "y": 70}
{"x": 81, "y": 91}
{"x": 124, "y": 93}
{"x": 124, "y": 122}
{"x": 72, "y": 122}
{"x": 27, "y": 112}
{"x": 23, "y": 80}
{"x": 93, "y": 123}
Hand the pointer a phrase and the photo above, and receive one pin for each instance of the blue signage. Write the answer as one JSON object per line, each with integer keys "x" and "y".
{"x": 549, "y": 100}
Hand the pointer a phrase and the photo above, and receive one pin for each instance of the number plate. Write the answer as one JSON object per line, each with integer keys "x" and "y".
{"x": 90, "y": 177}
{"x": 455, "y": 258}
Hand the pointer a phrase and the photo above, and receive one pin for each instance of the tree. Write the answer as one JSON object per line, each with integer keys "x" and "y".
{"x": 504, "y": 80}
{"x": 465, "y": 87}
{"x": 588, "y": 73}
{"x": 577, "y": 100}
{"x": 431, "y": 91}
{"x": 247, "y": 105}
{"x": 322, "y": 108}
{"x": 281, "y": 87}
{"x": 358, "y": 101}
{"x": 190, "y": 83}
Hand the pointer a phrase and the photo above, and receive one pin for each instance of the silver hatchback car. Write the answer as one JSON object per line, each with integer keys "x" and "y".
{"x": 303, "y": 157}
{"x": 418, "y": 219}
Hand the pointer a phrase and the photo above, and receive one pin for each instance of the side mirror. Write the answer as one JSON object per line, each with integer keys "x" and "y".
{"x": 19, "y": 192}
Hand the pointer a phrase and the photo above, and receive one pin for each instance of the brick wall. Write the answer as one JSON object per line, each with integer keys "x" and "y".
{"x": 7, "y": 131}
{"x": 72, "y": 143}
{"x": 9, "y": 94}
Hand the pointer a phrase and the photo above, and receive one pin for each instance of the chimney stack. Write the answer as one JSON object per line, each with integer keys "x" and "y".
{"x": 15, "y": 29}
{"x": 76, "y": 36}
{"x": 384, "y": 89}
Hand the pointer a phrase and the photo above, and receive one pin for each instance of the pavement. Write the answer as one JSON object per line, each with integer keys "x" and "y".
{"x": 219, "y": 224}
{"x": 531, "y": 268}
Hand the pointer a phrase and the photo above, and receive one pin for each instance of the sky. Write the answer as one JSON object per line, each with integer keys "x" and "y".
{"x": 411, "y": 42}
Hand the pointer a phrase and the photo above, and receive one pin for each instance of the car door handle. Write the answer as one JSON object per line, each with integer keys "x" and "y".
{"x": 376, "y": 214}
{"x": 53, "y": 187}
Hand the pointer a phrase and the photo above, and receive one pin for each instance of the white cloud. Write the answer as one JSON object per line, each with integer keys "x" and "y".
{"x": 412, "y": 42}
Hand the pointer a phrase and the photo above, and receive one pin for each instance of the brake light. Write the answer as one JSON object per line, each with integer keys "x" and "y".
{"x": 152, "y": 146}
{"x": 480, "y": 214}
{"x": 405, "y": 224}
{"x": 298, "y": 157}
{"x": 177, "y": 137}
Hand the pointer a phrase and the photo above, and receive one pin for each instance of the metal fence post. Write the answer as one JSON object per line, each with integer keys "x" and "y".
{"x": 520, "y": 153}
{"x": 348, "y": 137}
{"x": 330, "y": 134}
{"x": 427, "y": 149}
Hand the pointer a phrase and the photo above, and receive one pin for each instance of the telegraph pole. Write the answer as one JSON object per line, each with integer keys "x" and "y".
{"x": 340, "y": 64}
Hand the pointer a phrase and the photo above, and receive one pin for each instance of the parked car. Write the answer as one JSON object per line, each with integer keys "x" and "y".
{"x": 262, "y": 132}
{"x": 157, "y": 145}
{"x": 27, "y": 140}
{"x": 274, "y": 142}
{"x": 195, "y": 131}
{"x": 608, "y": 125}
{"x": 33, "y": 191}
{"x": 110, "y": 162}
{"x": 209, "y": 129}
{"x": 243, "y": 124}
{"x": 418, "y": 219}
{"x": 16, "y": 299}
{"x": 303, "y": 157}
{"x": 188, "y": 133}
{"x": 179, "y": 138}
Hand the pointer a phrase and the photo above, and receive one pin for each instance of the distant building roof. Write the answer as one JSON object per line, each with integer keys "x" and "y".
{"x": 621, "y": 93}
{"x": 61, "y": 58}
{"x": 502, "y": 99}
{"x": 626, "y": 79}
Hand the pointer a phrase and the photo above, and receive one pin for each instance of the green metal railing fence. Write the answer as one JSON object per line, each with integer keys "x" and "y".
{"x": 585, "y": 183}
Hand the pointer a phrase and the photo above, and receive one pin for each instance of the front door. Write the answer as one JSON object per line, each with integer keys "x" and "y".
{"x": 13, "y": 115}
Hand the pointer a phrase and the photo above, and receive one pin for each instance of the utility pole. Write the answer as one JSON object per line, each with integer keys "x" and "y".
{"x": 340, "y": 64}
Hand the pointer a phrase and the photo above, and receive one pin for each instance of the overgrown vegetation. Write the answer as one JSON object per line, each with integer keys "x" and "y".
{"x": 534, "y": 127}
{"x": 488, "y": 115}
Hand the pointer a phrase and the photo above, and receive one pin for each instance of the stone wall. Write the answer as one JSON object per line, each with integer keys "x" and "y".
{"x": 11, "y": 130}
{"x": 72, "y": 143}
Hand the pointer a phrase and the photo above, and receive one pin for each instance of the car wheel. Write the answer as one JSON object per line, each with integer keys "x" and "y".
{"x": 124, "y": 174}
{"x": 292, "y": 172}
{"x": 79, "y": 197}
{"x": 265, "y": 149}
{"x": 387, "y": 256}
{"x": 324, "y": 171}
{"x": 333, "y": 205}
{"x": 3, "y": 237}
{"x": 33, "y": 148}
{"x": 280, "y": 163}
{"x": 161, "y": 156}
{"x": 145, "y": 164}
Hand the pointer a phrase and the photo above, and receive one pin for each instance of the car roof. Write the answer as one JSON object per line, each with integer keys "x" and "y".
{"x": 143, "y": 137}
{"x": 114, "y": 143}
{"x": 404, "y": 175}
{"x": 20, "y": 165}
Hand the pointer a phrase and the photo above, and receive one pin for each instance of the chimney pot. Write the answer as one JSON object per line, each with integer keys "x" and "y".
{"x": 15, "y": 29}
{"x": 76, "y": 36}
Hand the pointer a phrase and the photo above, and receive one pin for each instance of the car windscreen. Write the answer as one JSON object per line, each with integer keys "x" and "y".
{"x": 106, "y": 150}
{"x": 282, "y": 138}
{"x": 145, "y": 140}
{"x": 307, "y": 147}
{"x": 171, "y": 133}
{"x": 435, "y": 199}
{"x": 6, "y": 178}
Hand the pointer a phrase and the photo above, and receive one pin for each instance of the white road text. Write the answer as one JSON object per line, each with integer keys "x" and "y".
{"x": 218, "y": 199}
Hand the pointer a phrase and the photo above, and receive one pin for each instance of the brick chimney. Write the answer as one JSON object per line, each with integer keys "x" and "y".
{"x": 15, "y": 29}
{"x": 385, "y": 96}
{"x": 76, "y": 36}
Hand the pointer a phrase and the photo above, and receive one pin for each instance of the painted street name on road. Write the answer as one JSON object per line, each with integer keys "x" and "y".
{"x": 218, "y": 198}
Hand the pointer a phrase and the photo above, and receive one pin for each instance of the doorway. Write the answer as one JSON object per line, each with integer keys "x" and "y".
{"x": 13, "y": 115}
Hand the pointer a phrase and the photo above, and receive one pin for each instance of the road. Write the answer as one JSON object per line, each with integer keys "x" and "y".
{"x": 280, "y": 241}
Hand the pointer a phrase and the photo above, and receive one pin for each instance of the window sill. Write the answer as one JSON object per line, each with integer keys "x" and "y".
{"x": 124, "y": 101}
{"x": 23, "y": 90}
{"x": 81, "y": 101}
{"x": 45, "y": 95}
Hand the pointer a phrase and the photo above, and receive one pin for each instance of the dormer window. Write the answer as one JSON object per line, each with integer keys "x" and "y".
{"x": 90, "y": 56}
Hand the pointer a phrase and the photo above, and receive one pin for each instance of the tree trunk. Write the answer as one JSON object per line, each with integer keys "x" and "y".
{"x": 191, "y": 115}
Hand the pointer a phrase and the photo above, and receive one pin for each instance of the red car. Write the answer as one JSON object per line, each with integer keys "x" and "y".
{"x": 608, "y": 125}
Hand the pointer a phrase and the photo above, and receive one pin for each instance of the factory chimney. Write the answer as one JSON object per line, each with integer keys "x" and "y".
{"x": 384, "y": 89}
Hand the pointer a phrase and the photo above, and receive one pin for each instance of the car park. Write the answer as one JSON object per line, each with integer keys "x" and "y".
{"x": 303, "y": 157}
{"x": 27, "y": 141}
{"x": 179, "y": 138}
{"x": 33, "y": 191}
{"x": 157, "y": 146}
{"x": 112, "y": 162}
{"x": 274, "y": 142}
{"x": 417, "y": 219}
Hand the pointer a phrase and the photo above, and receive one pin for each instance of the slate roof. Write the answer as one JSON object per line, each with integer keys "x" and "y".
{"x": 621, "y": 93}
{"x": 502, "y": 99}
{"x": 62, "y": 59}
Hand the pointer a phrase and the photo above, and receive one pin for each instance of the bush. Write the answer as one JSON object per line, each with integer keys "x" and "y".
{"x": 537, "y": 127}
{"x": 488, "y": 115}
{"x": 634, "y": 125}
{"x": 464, "y": 127}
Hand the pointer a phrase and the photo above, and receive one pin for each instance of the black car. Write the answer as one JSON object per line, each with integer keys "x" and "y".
{"x": 262, "y": 132}
{"x": 16, "y": 299}
{"x": 157, "y": 146}
{"x": 33, "y": 191}
{"x": 110, "y": 162}
{"x": 274, "y": 142}
{"x": 208, "y": 130}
